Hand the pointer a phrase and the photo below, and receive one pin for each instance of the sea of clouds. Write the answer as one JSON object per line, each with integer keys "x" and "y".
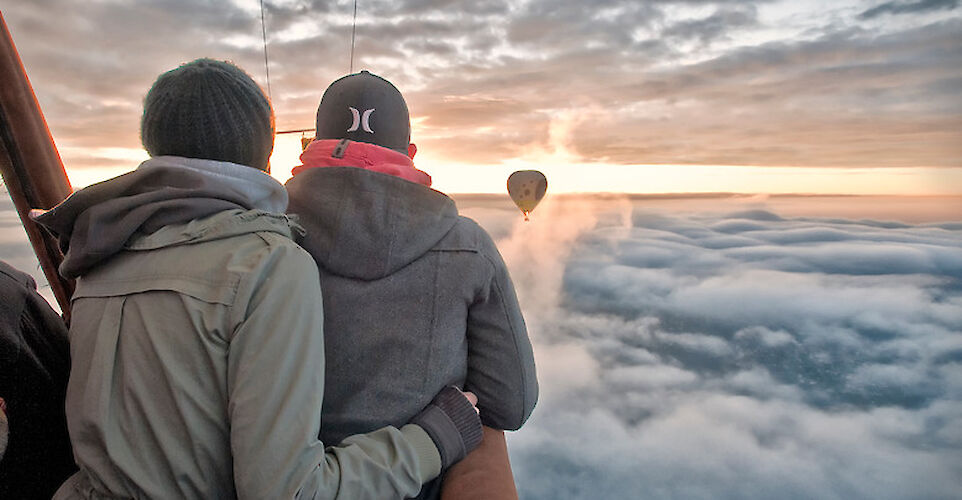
{"x": 734, "y": 352}
{"x": 726, "y": 348}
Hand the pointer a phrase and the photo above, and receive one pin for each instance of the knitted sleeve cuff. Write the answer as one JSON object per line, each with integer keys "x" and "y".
{"x": 453, "y": 425}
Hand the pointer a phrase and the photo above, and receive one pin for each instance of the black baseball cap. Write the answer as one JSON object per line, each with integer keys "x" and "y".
{"x": 364, "y": 107}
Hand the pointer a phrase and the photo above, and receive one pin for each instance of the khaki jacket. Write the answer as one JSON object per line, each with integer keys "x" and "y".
{"x": 198, "y": 372}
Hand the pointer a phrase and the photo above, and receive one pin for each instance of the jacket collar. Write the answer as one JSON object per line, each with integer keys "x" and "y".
{"x": 347, "y": 153}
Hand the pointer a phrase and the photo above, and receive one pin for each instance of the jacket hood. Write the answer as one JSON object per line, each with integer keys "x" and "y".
{"x": 98, "y": 221}
{"x": 364, "y": 224}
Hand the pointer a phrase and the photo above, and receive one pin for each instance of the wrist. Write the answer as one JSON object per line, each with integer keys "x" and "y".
{"x": 453, "y": 424}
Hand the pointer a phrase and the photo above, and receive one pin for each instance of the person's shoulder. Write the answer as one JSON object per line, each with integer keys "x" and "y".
{"x": 248, "y": 234}
{"x": 481, "y": 236}
{"x": 17, "y": 288}
{"x": 465, "y": 234}
{"x": 472, "y": 227}
{"x": 279, "y": 248}
{"x": 13, "y": 277}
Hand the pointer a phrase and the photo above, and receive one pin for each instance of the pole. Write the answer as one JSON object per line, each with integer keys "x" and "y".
{"x": 30, "y": 164}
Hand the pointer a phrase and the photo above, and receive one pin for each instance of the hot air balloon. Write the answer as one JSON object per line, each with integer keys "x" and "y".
{"x": 526, "y": 188}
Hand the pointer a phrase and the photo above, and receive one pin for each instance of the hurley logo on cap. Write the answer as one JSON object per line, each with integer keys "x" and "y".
{"x": 364, "y": 120}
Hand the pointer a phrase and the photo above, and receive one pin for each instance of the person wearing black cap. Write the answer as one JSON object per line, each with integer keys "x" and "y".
{"x": 197, "y": 335}
{"x": 416, "y": 296}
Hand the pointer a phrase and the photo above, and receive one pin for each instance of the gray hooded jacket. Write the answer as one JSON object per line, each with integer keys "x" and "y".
{"x": 416, "y": 297}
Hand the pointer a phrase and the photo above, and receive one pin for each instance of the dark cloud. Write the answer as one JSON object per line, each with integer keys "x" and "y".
{"x": 908, "y": 7}
{"x": 680, "y": 105}
{"x": 715, "y": 26}
{"x": 389, "y": 7}
{"x": 554, "y": 27}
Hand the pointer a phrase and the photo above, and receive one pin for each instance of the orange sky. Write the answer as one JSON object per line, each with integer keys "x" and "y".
{"x": 567, "y": 175}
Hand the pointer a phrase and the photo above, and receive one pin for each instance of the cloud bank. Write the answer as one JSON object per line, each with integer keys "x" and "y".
{"x": 736, "y": 352}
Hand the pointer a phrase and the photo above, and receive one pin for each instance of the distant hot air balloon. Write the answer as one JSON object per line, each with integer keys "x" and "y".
{"x": 526, "y": 188}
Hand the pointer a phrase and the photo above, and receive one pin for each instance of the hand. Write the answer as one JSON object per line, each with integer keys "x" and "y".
{"x": 473, "y": 399}
{"x": 454, "y": 431}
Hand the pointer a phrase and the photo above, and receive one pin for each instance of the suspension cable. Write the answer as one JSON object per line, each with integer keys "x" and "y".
{"x": 353, "y": 32}
{"x": 267, "y": 67}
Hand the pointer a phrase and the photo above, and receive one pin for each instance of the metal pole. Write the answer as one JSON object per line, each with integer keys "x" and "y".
{"x": 31, "y": 166}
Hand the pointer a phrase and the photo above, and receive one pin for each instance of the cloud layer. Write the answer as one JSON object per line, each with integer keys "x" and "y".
{"x": 802, "y": 83}
{"x": 736, "y": 352}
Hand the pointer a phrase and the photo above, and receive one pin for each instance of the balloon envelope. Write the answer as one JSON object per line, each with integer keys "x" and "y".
{"x": 526, "y": 188}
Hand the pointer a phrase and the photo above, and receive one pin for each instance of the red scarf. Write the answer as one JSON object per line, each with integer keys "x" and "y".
{"x": 361, "y": 155}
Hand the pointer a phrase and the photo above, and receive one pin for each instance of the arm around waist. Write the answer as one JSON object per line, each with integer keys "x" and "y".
{"x": 276, "y": 385}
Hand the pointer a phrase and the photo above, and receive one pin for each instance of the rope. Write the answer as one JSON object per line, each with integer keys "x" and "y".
{"x": 353, "y": 31}
{"x": 267, "y": 67}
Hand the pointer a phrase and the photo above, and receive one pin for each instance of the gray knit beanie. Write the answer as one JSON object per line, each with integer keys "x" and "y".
{"x": 211, "y": 110}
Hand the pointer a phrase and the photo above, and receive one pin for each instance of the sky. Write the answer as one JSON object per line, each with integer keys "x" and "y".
{"x": 781, "y": 96}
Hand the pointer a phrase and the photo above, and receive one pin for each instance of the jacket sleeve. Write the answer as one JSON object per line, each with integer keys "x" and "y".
{"x": 276, "y": 385}
{"x": 501, "y": 367}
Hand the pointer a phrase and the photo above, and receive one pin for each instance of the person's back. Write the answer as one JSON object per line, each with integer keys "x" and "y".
{"x": 196, "y": 335}
{"x": 416, "y": 296}
{"x": 413, "y": 293}
{"x": 34, "y": 364}
{"x": 166, "y": 337}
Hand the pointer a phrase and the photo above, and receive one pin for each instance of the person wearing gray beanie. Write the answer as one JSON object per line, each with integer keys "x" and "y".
{"x": 196, "y": 332}
{"x": 211, "y": 110}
